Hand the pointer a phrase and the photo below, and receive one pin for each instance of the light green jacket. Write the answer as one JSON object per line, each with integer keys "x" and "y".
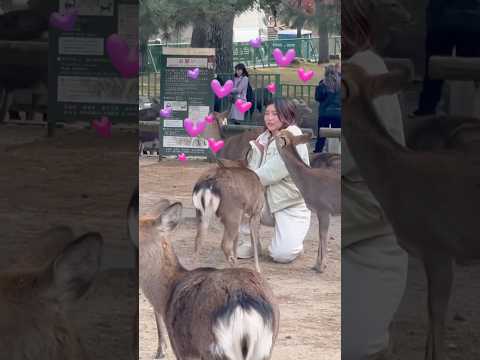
{"x": 362, "y": 216}
{"x": 282, "y": 192}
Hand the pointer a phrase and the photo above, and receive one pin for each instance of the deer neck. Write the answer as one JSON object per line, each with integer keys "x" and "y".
{"x": 298, "y": 170}
{"x": 365, "y": 133}
{"x": 381, "y": 160}
{"x": 159, "y": 272}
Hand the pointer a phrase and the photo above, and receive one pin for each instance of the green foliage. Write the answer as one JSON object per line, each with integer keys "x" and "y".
{"x": 167, "y": 16}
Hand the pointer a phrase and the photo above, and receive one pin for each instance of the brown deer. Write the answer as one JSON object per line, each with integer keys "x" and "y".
{"x": 320, "y": 186}
{"x": 132, "y": 221}
{"x": 236, "y": 146}
{"x": 231, "y": 193}
{"x": 33, "y": 302}
{"x": 209, "y": 313}
{"x": 434, "y": 219}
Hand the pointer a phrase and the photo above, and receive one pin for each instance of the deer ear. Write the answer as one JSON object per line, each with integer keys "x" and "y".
{"x": 389, "y": 83}
{"x": 302, "y": 139}
{"x": 75, "y": 268}
{"x": 170, "y": 217}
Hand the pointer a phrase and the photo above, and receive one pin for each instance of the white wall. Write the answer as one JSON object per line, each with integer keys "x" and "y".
{"x": 248, "y": 25}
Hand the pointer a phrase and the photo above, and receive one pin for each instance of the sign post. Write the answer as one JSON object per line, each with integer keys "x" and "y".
{"x": 188, "y": 98}
{"x": 83, "y": 83}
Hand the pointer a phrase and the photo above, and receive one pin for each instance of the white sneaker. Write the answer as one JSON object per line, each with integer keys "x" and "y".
{"x": 245, "y": 229}
{"x": 244, "y": 249}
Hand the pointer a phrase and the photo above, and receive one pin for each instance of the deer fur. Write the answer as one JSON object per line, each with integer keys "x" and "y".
{"x": 209, "y": 313}
{"x": 434, "y": 219}
{"x": 320, "y": 186}
{"x": 33, "y": 301}
{"x": 236, "y": 146}
{"x": 132, "y": 221}
{"x": 230, "y": 193}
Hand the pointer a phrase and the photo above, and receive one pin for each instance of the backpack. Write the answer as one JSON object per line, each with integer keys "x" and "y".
{"x": 250, "y": 94}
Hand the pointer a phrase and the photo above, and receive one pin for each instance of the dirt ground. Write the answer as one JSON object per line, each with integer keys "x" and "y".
{"x": 309, "y": 302}
{"x": 75, "y": 179}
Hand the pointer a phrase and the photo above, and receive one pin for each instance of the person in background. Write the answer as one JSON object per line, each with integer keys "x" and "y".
{"x": 327, "y": 93}
{"x": 218, "y": 102}
{"x": 286, "y": 204}
{"x": 450, "y": 24}
{"x": 239, "y": 91}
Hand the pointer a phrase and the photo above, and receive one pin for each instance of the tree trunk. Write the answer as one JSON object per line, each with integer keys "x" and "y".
{"x": 220, "y": 37}
{"x": 199, "y": 34}
{"x": 323, "y": 48}
{"x": 299, "y": 30}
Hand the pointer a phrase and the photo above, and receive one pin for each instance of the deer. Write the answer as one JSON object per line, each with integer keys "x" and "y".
{"x": 33, "y": 300}
{"x": 209, "y": 313}
{"x": 132, "y": 229}
{"x": 231, "y": 192}
{"x": 319, "y": 186}
{"x": 236, "y": 146}
{"x": 436, "y": 223}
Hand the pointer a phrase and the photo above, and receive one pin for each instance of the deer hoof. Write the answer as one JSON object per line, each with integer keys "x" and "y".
{"x": 160, "y": 354}
{"x": 232, "y": 260}
{"x": 320, "y": 268}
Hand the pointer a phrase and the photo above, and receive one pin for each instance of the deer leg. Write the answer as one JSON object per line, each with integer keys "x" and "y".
{"x": 323, "y": 225}
{"x": 202, "y": 228}
{"x": 5, "y": 104}
{"x": 135, "y": 336}
{"x": 231, "y": 222}
{"x": 439, "y": 270}
{"x": 161, "y": 341}
{"x": 255, "y": 237}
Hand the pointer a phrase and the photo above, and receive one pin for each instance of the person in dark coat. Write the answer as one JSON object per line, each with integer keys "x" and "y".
{"x": 328, "y": 95}
{"x": 450, "y": 24}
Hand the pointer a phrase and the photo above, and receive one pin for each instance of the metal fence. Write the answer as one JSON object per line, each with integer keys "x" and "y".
{"x": 149, "y": 87}
{"x": 306, "y": 48}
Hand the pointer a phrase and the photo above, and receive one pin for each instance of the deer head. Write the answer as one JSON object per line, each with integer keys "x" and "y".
{"x": 357, "y": 83}
{"x": 155, "y": 227}
{"x": 33, "y": 302}
{"x": 285, "y": 139}
{"x": 214, "y": 130}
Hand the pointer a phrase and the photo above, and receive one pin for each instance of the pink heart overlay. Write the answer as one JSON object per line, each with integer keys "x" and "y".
{"x": 194, "y": 129}
{"x": 255, "y": 43}
{"x": 193, "y": 74}
{"x": 271, "y": 88}
{"x": 215, "y": 146}
{"x": 243, "y": 106}
{"x": 209, "y": 119}
{"x": 124, "y": 59}
{"x": 64, "y": 21}
{"x": 166, "y": 112}
{"x": 103, "y": 126}
{"x": 220, "y": 91}
{"x": 182, "y": 157}
{"x": 283, "y": 60}
{"x": 305, "y": 76}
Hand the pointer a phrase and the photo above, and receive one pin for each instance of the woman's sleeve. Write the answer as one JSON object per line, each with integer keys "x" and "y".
{"x": 254, "y": 156}
{"x": 272, "y": 171}
{"x": 241, "y": 88}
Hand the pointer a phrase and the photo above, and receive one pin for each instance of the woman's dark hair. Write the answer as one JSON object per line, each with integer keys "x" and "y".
{"x": 286, "y": 110}
{"x": 356, "y": 29}
{"x": 241, "y": 67}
